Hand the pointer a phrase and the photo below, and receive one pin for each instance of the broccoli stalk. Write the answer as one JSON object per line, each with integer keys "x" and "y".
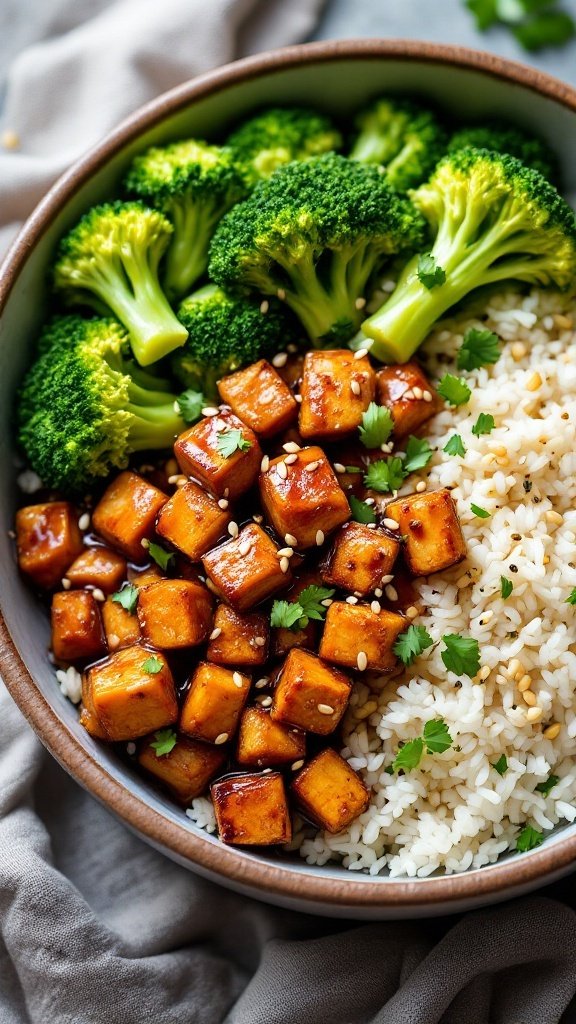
{"x": 111, "y": 257}
{"x": 279, "y": 135}
{"x": 404, "y": 137}
{"x": 81, "y": 413}
{"x": 493, "y": 220}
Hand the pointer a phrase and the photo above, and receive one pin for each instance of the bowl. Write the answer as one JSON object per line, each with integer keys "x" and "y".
{"x": 339, "y": 76}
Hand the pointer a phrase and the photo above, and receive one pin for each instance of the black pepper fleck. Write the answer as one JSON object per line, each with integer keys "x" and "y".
{"x": 513, "y": 568}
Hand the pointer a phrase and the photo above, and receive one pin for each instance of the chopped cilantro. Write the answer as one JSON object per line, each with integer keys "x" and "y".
{"x": 286, "y": 615}
{"x": 409, "y": 756}
{"x": 418, "y": 454}
{"x": 385, "y": 475}
{"x": 361, "y": 512}
{"x": 454, "y": 390}
{"x": 550, "y": 28}
{"x": 479, "y": 348}
{"x": 501, "y": 765}
{"x": 164, "y": 742}
{"x": 377, "y": 425}
{"x": 546, "y": 786}
{"x": 411, "y": 643}
{"x": 455, "y": 446}
{"x": 506, "y": 587}
{"x": 429, "y": 273}
{"x": 353, "y": 469}
{"x": 162, "y": 557}
{"x": 231, "y": 440}
{"x": 572, "y": 598}
{"x": 528, "y": 839}
{"x": 436, "y": 736}
{"x": 152, "y": 665}
{"x": 480, "y": 512}
{"x": 462, "y": 655}
{"x": 190, "y": 404}
{"x": 127, "y": 597}
{"x": 484, "y": 424}
{"x": 297, "y": 614}
{"x": 435, "y": 740}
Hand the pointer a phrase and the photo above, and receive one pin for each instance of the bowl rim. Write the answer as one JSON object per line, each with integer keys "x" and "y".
{"x": 215, "y": 859}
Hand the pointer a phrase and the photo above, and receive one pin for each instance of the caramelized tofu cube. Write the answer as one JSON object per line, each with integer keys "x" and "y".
{"x": 192, "y": 521}
{"x": 310, "y": 694}
{"x": 329, "y": 792}
{"x": 121, "y": 627}
{"x": 48, "y": 541}
{"x": 89, "y": 722}
{"x": 238, "y": 639}
{"x": 214, "y": 703}
{"x": 264, "y": 743}
{"x": 308, "y": 502}
{"x": 145, "y": 577}
{"x": 252, "y": 810}
{"x": 131, "y": 694}
{"x": 407, "y": 392}
{"x": 246, "y": 569}
{"x": 175, "y": 614}
{"x": 98, "y": 567}
{"x": 259, "y": 396}
{"x": 359, "y": 638}
{"x": 359, "y": 558}
{"x": 186, "y": 770}
{"x": 336, "y": 390}
{"x": 431, "y": 526}
{"x": 197, "y": 453}
{"x": 126, "y": 514}
{"x": 77, "y": 633}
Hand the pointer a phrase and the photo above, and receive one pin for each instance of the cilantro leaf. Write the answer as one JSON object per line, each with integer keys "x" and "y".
{"x": 231, "y": 440}
{"x": 462, "y": 655}
{"x": 436, "y": 736}
{"x": 310, "y": 600}
{"x": 479, "y": 348}
{"x": 411, "y": 643}
{"x": 385, "y": 475}
{"x": 353, "y": 469}
{"x": 454, "y": 390}
{"x": 127, "y": 597}
{"x": 435, "y": 740}
{"x": 190, "y": 404}
{"x": 164, "y": 741}
{"x": 286, "y": 615}
{"x": 506, "y": 587}
{"x": 528, "y": 839}
{"x": 377, "y": 425}
{"x": 409, "y": 756}
{"x": 162, "y": 557}
{"x": 501, "y": 765}
{"x": 484, "y": 424}
{"x": 152, "y": 665}
{"x": 429, "y": 273}
{"x": 550, "y": 28}
{"x": 546, "y": 786}
{"x": 418, "y": 454}
{"x": 455, "y": 446}
{"x": 484, "y": 11}
{"x": 572, "y": 598}
{"x": 480, "y": 512}
{"x": 361, "y": 512}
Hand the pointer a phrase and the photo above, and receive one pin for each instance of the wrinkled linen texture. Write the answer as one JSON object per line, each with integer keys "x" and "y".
{"x": 95, "y": 926}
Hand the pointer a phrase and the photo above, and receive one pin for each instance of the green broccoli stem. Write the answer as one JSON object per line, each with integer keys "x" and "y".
{"x": 154, "y": 426}
{"x": 327, "y": 313}
{"x": 187, "y": 256}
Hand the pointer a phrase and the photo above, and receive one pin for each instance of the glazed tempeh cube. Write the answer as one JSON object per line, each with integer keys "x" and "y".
{"x": 246, "y": 569}
{"x": 336, "y": 390}
{"x": 264, "y": 743}
{"x": 192, "y": 521}
{"x": 329, "y": 792}
{"x": 175, "y": 613}
{"x": 252, "y": 810}
{"x": 214, "y": 703}
{"x": 77, "y": 633}
{"x": 121, "y": 627}
{"x": 126, "y": 514}
{"x": 48, "y": 540}
{"x": 303, "y": 498}
{"x": 259, "y": 396}
{"x": 310, "y": 694}
{"x": 407, "y": 392}
{"x": 98, "y": 567}
{"x": 431, "y": 526}
{"x": 225, "y": 476}
{"x": 359, "y": 558}
{"x": 186, "y": 770}
{"x": 240, "y": 639}
{"x": 358, "y": 638}
{"x": 131, "y": 694}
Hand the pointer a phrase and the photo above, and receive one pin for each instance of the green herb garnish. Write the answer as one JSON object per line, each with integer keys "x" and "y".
{"x": 164, "y": 742}
{"x": 454, "y": 390}
{"x": 429, "y": 273}
{"x": 435, "y": 740}
{"x": 418, "y": 455}
{"x": 377, "y": 425}
{"x": 230, "y": 441}
{"x": 506, "y": 587}
{"x": 572, "y": 598}
{"x": 455, "y": 446}
{"x": 462, "y": 655}
{"x": 480, "y": 512}
{"x": 361, "y": 512}
{"x": 385, "y": 475}
{"x": 296, "y": 615}
{"x": 484, "y": 424}
{"x": 152, "y": 665}
{"x": 479, "y": 348}
{"x": 159, "y": 554}
{"x": 548, "y": 785}
{"x": 411, "y": 644}
{"x": 528, "y": 839}
{"x": 501, "y": 765}
{"x": 190, "y": 404}
{"x": 127, "y": 597}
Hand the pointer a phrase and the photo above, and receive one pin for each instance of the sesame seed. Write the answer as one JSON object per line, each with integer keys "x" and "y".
{"x": 326, "y": 602}
{"x": 534, "y": 714}
{"x": 325, "y": 709}
{"x": 290, "y": 539}
{"x": 351, "y": 600}
{"x": 375, "y": 607}
{"x": 209, "y": 410}
{"x": 408, "y": 393}
{"x": 378, "y": 592}
{"x": 387, "y": 579}
{"x": 391, "y": 593}
{"x": 552, "y": 731}
{"x": 360, "y": 303}
{"x": 311, "y": 466}
{"x": 361, "y": 661}
{"x": 427, "y": 396}
{"x": 385, "y": 447}
{"x": 298, "y": 398}
{"x": 233, "y": 529}
{"x": 172, "y": 479}
{"x": 98, "y": 594}
{"x": 260, "y": 641}
{"x": 291, "y": 447}
{"x": 113, "y": 641}
{"x": 266, "y": 702}
{"x": 144, "y": 543}
{"x": 418, "y": 393}
{"x": 421, "y": 486}
{"x": 226, "y": 493}
{"x": 355, "y": 387}
{"x": 339, "y": 467}
{"x": 361, "y": 351}
{"x": 291, "y": 459}
{"x": 215, "y": 633}
{"x": 265, "y": 464}
{"x": 285, "y": 552}
{"x": 281, "y": 294}
{"x": 223, "y": 503}
{"x": 412, "y": 612}
{"x": 130, "y": 748}
{"x": 244, "y": 547}
{"x": 258, "y": 519}
{"x": 237, "y": 680}
{"x": 264, "y": 306}
{"x": 297, "y": 764}
{"x": 280, "y": 360}
{"x": 66, "y": 584}
{"x": 534, "y": 382}
{"x": 212, "y": 586}
{"x": 391, "y": 524}
{"x": 370, "y": 526}
{"x": 281, "y": 470}
{"x": 84, "y": 521}
{"x": 260, "y": 684}
{"x": 284, "y": 565}
{"x": 292, "y": 348}
{"x": 11, "y": 534}
{"x": 221, "y": 738}
{"x": 319, "y": 537}
{"x": 181, "y": 481}
{"x": 370, "y": 501}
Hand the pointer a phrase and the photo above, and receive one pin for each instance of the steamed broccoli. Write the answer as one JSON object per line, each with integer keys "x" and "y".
{"x": 110, "y": 260}
{"x": 494, "y": 219}
{"x": 313, "y": 234}
{"x": 225, "y": 333}
{"x": 193, "y": 184}
{"x": 84, "y": 406}
{"x": 401, "y": 135}
{"x": 506, "y": 138}
{"x": 278, "y": 136}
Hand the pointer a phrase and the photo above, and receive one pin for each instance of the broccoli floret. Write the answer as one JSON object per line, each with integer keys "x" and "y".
{"x": 401, "y": 135}
{"x": 84, "y": 405}
{"x": 313, "y": 234}
{"x": 494, "y": 220}
{"x": 226, "y": 333}
{"x": 506, "y": 138}
{"x": 193, "y": 184}
{"x": 280, "y": 135}
{"x": 110, "y": 260}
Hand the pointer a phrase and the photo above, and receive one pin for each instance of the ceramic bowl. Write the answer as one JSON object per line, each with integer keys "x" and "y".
{"x": 337, "y": 76}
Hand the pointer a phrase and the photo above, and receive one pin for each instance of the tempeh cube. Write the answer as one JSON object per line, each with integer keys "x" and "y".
{"x": 225, "y": 476}
{"x": 259, "y": 396}
{"x": 126, "y": 514}
{"x": 407, "y": 392}
{"x": 175, "y": 613}
{"x": 336, "y": 390}
{"x": 48, "y": 540}
{"x": 240, "y": 639}
{"x": 77, "y": 633}
{"x": 329, "y": 792}
{"x": 310, "y": 694}
{"x": 98, "y": 567}
{"x": 214, "y": 703}
{"x": 359, "y": 558}
{"x": 264, "y": 743}
{"x": 252, "y": 810}
{"x": 307, "y": 501}
{"x": 192, "y": 521}
{"x": 121, "y": 627}
{"x": 431, "y": 527}
{"x": 186, "y": 770}
{"x": 246, "y": 569}
{"x": 131, "y": 694}
{"x": 358, "y": 638}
